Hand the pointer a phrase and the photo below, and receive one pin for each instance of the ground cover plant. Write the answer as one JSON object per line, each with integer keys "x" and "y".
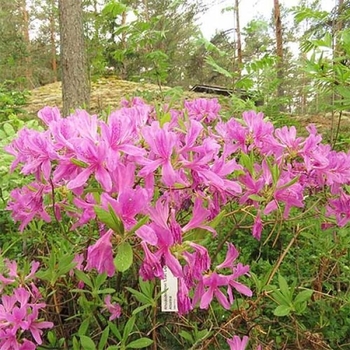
{"x": 250, "y": 220}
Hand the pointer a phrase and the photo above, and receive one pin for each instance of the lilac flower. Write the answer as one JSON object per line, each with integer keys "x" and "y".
{"x": 27, "y": 345}
{"x": 183, "y": 299}
{"x": 167, "y": 235}
{"x": 88, "y": 213}
{"x": 129, "y": 203}
{"x": 64, "y": 131}
{"x": 340, "y": 208}
{"x": 151, "y": 266}
{"x": 79, "y": 260}
{"x": 87, "y": 125}
{"x": 161, "y": 142}
{"x": 238, "y": 271}
{"x": 95, "y": 156}
{"x": 203, "y": 109}
{"x": 290, "y": 195}
{"x": 197, "y": 263}
{"x": 199, "y": 216}
{"x": 18, "y": 313}
{"x": 231, "y": 256}
{"x": 35, "y": 150}
{"x": 12, "y": 274}
{"x": 194, "y": 129}
{"x": 100, "y": 255}
{"x": 121, "y": 134}
{"x": 27, "y": 203}
{"x": 147, "y": 234}
{"x": 212, "y": 282}
{"x": 236, "y": 343}
{"x": 49, "y": 115}
{"x": 256, "y": 134}
{"x": 288, "y": 142}
{"x": 114, "y": 308}
{"x": 257, "y": 227}
{"x": 35, "y": 326}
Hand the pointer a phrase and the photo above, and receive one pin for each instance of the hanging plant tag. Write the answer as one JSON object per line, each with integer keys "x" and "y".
{"x": 169, "y": 288}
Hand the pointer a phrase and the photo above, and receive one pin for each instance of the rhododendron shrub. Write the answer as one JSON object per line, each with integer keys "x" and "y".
{"x": 21, "y": 326}
{"x": 156, "y": 185}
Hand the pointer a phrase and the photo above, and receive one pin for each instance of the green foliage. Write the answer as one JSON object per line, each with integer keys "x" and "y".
{"x": 11, "y": 100}
{"x": 284, "y": 297}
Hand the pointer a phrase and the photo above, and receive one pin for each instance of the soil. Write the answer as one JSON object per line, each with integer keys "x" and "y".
{"x": 107, "y": 93}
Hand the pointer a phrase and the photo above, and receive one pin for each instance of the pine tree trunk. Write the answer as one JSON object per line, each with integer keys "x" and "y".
{"x": 25, "y": 32}
{"x": 239, "y": 41}
{"x": 279, "y": 46}
{"x": 75, "y": 81}
{"x": 53, "y": 41}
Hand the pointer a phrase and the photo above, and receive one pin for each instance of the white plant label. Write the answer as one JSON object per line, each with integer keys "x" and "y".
{"x": 169, "y": 288}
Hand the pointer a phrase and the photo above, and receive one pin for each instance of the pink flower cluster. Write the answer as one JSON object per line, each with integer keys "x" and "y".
{"x": 178, "y": 173}
{"x": 236, "y": 343}
{"x": 20, "y": 323}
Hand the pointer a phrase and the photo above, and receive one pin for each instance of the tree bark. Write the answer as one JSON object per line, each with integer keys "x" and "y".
{"x": 279, "y": 46}
{"x": 52, "y": 39}
{"x": 239, "y": 41}
{"x": 25, "y": 32}
{"x": 75, "y": 80}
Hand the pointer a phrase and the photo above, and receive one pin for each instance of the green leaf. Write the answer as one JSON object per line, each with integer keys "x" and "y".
{"x": 8, "y": 128}
{"x": 129, "y": 327}
{"x": 218, "y": 218}
{"x": 140, "y": 343}
{"x": 304, "y": 295}
{"x": 76, "y": 345}
{"x": 187, "y": 336}
{"x": 275, "y": 171}
{"x": 51, "y": 337}
{"x": 79, "y": 163}
{"x": 100, "y": 279}
{"x": 140, "y": 308}
{"x": 146, "y": 287}
{"x": 144, "y": 299}
{"x": 247, "y": 163}
{"x": 300, "y": 307}
{"x": 140, "y": 223}
{"x": 84, "y": 327}
{"x": 284, "y": 287}
{"x": 209, "y": 60}
{"x": 65, "y": 264}
{"x": 165, "y": 118}
{"x": 282, "y": 310}
{"x": 256, "y": 198}
{"x": 111, "y": 220}
{"x": 103, "y": 339}
{"x": 87, "y": 343}
{"x": 118, "y": 222}
{"x": 83, "y": 277}
{"x": 290, "y": 183}
{"x": 279, "y": 297}
{"x": 114, "y": 8}
{"x": 115, "y": 330}
{"x": 106, "y": 291}
{"x": 124, "y": 257}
